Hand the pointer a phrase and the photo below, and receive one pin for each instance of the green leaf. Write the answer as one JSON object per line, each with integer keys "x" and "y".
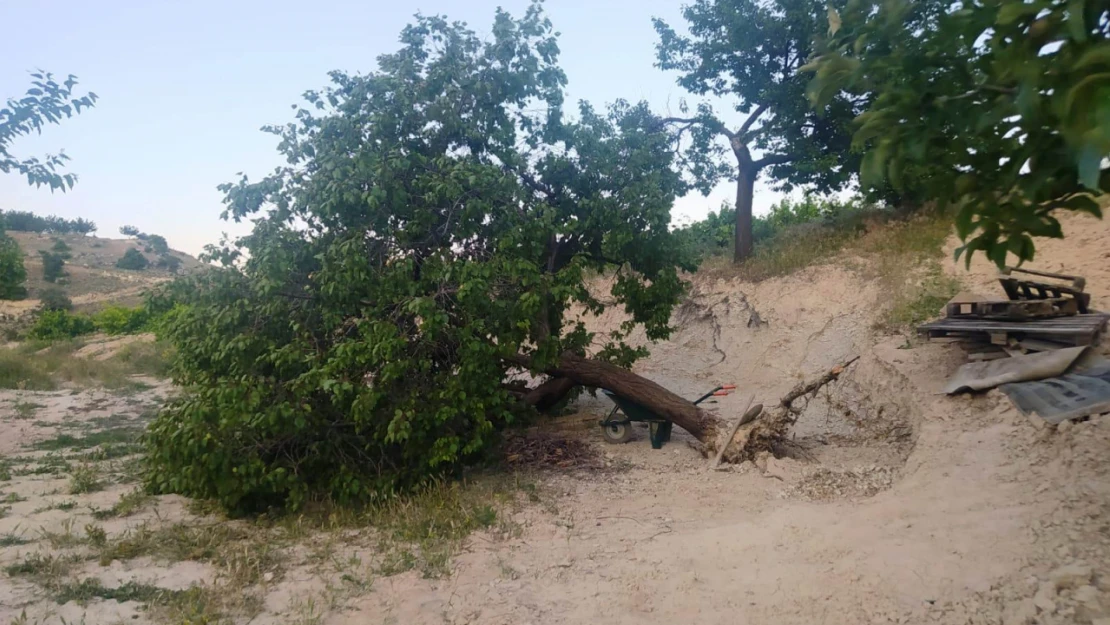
{"x": 1097, "y": 55}
{"x": 1076, "y": 27}
{"x": 1089, "y": 162}
{"x": 1013, "y": 11}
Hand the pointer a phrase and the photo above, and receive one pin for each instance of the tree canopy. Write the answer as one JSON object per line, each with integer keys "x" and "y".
{"x": 426, "y": 244}
{"x": 750, "y": 51}
{"x": 1005, "y": 106}
{"x": 46, "y": 102}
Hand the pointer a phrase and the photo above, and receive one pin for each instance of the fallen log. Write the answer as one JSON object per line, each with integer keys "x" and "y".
{"x": 708, "y": 428}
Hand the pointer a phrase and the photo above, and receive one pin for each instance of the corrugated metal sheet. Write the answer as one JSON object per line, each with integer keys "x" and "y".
{"x": 1064, "y": 397}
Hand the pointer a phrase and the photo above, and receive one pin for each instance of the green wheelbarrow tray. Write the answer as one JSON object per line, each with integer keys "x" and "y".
{"x": 619, "y": 430}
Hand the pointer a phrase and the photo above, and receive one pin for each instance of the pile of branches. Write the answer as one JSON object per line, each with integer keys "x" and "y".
{"x": 537, "y": 449}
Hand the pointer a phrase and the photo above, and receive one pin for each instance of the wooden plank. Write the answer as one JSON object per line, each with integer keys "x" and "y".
{"x": 1027, "y": 289}
{"x": 1012, "y": 309}
{"x": 1038, "y": 345}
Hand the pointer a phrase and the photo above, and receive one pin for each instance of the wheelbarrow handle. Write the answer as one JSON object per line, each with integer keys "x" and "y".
{"x": 729, "y": 387}
{"x": 707, "y": 395}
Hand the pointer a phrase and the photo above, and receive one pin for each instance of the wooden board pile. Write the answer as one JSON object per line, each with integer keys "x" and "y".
{"x": 1036, "y": 316}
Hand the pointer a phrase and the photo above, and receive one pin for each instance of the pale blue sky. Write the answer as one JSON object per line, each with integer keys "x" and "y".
{"x": 185, "y": 86}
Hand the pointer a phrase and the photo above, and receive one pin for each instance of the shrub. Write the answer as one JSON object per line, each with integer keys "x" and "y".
{"x": 157, "y": 244}
{"x": 120, "y": 320}
{"x": 52, "y": 266}
{"x": 129, "y": 231}
{"x": 54, "y": 298}
{"x": 55, "y": 325}
{"x": 12, "y": 272}
{"x": 168, "y": 262}
{"x": 133, "y": 260}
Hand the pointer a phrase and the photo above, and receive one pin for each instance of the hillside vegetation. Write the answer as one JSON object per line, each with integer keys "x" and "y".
{"x": 92, "y": 279}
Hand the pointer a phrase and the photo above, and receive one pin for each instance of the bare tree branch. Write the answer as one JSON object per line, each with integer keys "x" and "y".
{"x": 759, "y": 111}
{"x": 711, "y": 122}
{"x": 774, "y": 159}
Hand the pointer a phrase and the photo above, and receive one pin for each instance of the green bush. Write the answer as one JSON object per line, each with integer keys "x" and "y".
{"x": 12, "y": 272}
{"x": 120, "y": 320}
{"x": 133, "y": 260}
{"x": 169, "y": 263}
{"x": 53, "y": 266}
{"x": 61, "y": 248}
{"x": 54, "y": 298}
{"x": 55, "y": 325}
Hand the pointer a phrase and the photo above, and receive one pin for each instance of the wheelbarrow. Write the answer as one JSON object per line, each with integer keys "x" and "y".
{"x": 618, "y": 428}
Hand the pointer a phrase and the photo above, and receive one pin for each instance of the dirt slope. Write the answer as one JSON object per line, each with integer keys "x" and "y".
{"x": 914, "y": 507}
{"x": 903, "y": 506}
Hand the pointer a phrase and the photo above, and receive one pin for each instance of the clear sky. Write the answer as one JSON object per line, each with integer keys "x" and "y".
{"x": 185, "y": 86}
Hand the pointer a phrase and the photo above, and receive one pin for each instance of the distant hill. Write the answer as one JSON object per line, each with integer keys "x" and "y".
{"x": 93, "y": 281}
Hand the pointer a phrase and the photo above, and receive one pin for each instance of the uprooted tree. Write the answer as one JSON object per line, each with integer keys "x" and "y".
{"x": 425, "y": 250}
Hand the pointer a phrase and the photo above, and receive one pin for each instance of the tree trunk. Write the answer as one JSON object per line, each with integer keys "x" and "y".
{"x": 549, "y": 394}
{"x": 745, "y": 189}
{"x": 702, "y": 424}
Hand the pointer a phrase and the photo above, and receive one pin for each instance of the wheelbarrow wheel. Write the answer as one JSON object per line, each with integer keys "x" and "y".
{"x": 617, "y": 433}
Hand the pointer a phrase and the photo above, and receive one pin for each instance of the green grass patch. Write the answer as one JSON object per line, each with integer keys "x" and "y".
{"x": 10, "y": 539}
{"x": 128, "y": 504}
{"x": 85, "y": 479}
{"x": 128, "y": 435}
{"x": 26, "y": 410}
{"x": 65, "y": 506}
{"x": 88, "y": 589}
{"x": 44, "y": 569}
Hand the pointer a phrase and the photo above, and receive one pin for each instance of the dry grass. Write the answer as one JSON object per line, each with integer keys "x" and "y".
{"x": 903, "y": 255}
{"x": 35, "y": 366}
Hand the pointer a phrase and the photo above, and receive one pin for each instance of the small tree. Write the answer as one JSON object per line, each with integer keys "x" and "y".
{"x": 429, "y": 240}
{"x": 12, "y": 272}
{"x": 84, "y": 226}
{"x": 751, "y": 50}
{"x": 133, "y": 260}
{"x": 156, "y": 244}
{"x": 53, "y": 266}
{"x": 54, "y": 298}
{"x": 129, "y": 231}
{"x": 46, "y": 102}
{"x": 168, "y": 262}
{"x": 61, "y": 248}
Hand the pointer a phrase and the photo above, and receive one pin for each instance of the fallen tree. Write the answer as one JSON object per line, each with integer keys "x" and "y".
{"x": 434, "y": 226}
{"x": 764, "y": 431}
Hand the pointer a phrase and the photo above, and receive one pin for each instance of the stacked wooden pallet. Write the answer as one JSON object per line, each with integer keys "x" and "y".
{"x": 1037, "y": 317}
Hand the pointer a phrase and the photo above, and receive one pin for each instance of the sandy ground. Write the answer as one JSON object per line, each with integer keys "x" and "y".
{"x": 909, "y": 507}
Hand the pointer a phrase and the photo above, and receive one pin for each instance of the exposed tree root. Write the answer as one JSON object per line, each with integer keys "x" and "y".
{"x": 769, "y": 431}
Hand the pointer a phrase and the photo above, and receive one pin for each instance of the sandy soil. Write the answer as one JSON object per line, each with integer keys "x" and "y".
{"x": 908, "y": 507}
